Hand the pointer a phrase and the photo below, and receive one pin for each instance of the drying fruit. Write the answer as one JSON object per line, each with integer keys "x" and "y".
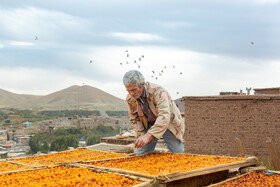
{"x": 64, "y": 176}
{"x": 6, "y": 166}
{"x": 255, "y": 179}
{"x": 67, "y": 156}
{"x": 164, "y": 163}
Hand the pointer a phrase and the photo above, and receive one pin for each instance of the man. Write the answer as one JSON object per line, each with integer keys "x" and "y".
{"x": 153, "y": 114}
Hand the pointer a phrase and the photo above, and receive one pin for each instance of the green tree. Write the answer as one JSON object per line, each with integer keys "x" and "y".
{"x": 62, "y": 143}
{"x": 54, "y": 146}
{"x": 93, "y": 139}
{"x": 60, "y": 132}
{"x": 73, "y": 130}
{"x": 71, "y": 141}
{"x": 45, "y": 147}
{"x": 34, "y": 144}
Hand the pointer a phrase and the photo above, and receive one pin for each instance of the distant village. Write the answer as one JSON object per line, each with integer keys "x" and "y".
{"x": 14, "y": 139}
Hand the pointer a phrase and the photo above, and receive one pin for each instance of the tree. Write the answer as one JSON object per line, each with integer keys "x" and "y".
{"x": 34, "y": 144}
{"x": 45, "y": 148}
{"x": 62, "y": 143}
{"x": 71, "y": 141}
{"x": 93, "y": 139}
{"x": 73, "y": 130}
{"x": 60, "y": 132}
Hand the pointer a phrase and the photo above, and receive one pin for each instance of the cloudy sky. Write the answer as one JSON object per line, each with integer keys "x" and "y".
{"x": 202, "y": 47}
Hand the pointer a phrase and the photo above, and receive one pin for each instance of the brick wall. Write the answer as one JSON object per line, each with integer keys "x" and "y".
{"x": 213, "y": 123}
{"x": 267, "y": 91}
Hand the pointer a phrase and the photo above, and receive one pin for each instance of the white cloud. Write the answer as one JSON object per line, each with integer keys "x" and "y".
{"x": 14, "y": 43}
{"x": 268, "y": 1}
{"x": 49, "y": 26}
{"x": 175, "y": 24}
{"x": 132, "y": 37}
{"x": 38, "y": 81}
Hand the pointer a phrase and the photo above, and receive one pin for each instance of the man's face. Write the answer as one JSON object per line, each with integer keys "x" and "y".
{"x": 134, "y": 90}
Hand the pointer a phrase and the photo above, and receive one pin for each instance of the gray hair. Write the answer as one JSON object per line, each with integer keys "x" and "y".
{"x": 133, "y": 77}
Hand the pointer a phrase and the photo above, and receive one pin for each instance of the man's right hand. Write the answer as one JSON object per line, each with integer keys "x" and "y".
{"x": 144, "y": 140}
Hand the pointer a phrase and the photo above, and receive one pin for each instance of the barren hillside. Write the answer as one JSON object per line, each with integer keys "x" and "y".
{"x": 74, "y": 97}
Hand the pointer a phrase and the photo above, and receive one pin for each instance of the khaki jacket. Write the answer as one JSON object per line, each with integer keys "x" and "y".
{"x": 164, "y": 108}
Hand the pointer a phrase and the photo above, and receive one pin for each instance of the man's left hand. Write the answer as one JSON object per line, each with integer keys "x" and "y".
{"x": 143, "y": 140}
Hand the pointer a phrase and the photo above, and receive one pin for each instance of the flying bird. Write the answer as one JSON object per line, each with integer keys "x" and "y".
{"x": 120, "y": 63}
{"x": 127, "y": 62}
{"x": 90, "y": 61}
{"x": 139, "y": 59}
{"x": 164, "y": 66}
{"x": 138, "y": 66}
{"x": 127, "y": 55}
{"x": 173, "y": 66}
{"x": 126, "y": 51}
{"x": 142, "y": 56}
{"x": 36, "y": 38}
{"x": 252, "y": 43}
{"x": 181, "y": 73}
{"x": 177, "y": 92}
{"x": 135, "y": 61}
{"x": 153, "y": 71}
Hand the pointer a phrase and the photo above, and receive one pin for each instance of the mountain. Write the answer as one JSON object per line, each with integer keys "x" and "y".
{"x": 72, "y": 98}
{"x": 9, "y": 99}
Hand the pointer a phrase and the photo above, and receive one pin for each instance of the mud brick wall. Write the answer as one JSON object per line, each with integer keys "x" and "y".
{"x": 268, "y": 91}
{"x": 213, "y": 123}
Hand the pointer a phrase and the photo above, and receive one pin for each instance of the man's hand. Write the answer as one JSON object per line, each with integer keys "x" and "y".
{"x": 143, "y": 140}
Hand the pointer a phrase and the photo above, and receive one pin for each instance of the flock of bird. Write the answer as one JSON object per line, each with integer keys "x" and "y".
{"x": 154, "y": 74}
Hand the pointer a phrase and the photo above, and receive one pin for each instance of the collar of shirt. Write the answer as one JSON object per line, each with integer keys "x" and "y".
{"x": 141, "y": 98}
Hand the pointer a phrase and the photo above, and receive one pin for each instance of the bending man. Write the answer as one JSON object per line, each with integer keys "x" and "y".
{"x": 153, "y": 114}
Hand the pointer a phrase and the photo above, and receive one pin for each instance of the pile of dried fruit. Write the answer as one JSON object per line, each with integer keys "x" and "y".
{"x": 164, "y": 163}
{"x": 64, "y": 176}
{"x": 255, "y": 179}
{"x": 6, "y": 166}
{"x": 67, "y": 156}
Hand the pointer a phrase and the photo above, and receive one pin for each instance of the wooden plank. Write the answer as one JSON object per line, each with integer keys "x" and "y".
{"x": 16, "y": 171}
{"x": 273, "y": 171}
{"x": 273, "y": 154}
{"x": 250, "y": 161}
{"x": 199, "y": 181}
{"x": 228, "y": 180}
{"x": 118, "y": 171}
{"x": 241, "y": 147}
{"x": 144, "y": 184}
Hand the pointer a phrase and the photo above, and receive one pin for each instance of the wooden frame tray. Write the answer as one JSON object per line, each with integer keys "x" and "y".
{"x": 243, "y": 175}
{"x": 144, "y": 182}
{"x": 14, "y": 160}
{"x": 250, "y": 161}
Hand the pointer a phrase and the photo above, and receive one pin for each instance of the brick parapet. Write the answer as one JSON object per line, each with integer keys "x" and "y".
{"x": 213, "y": 123}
